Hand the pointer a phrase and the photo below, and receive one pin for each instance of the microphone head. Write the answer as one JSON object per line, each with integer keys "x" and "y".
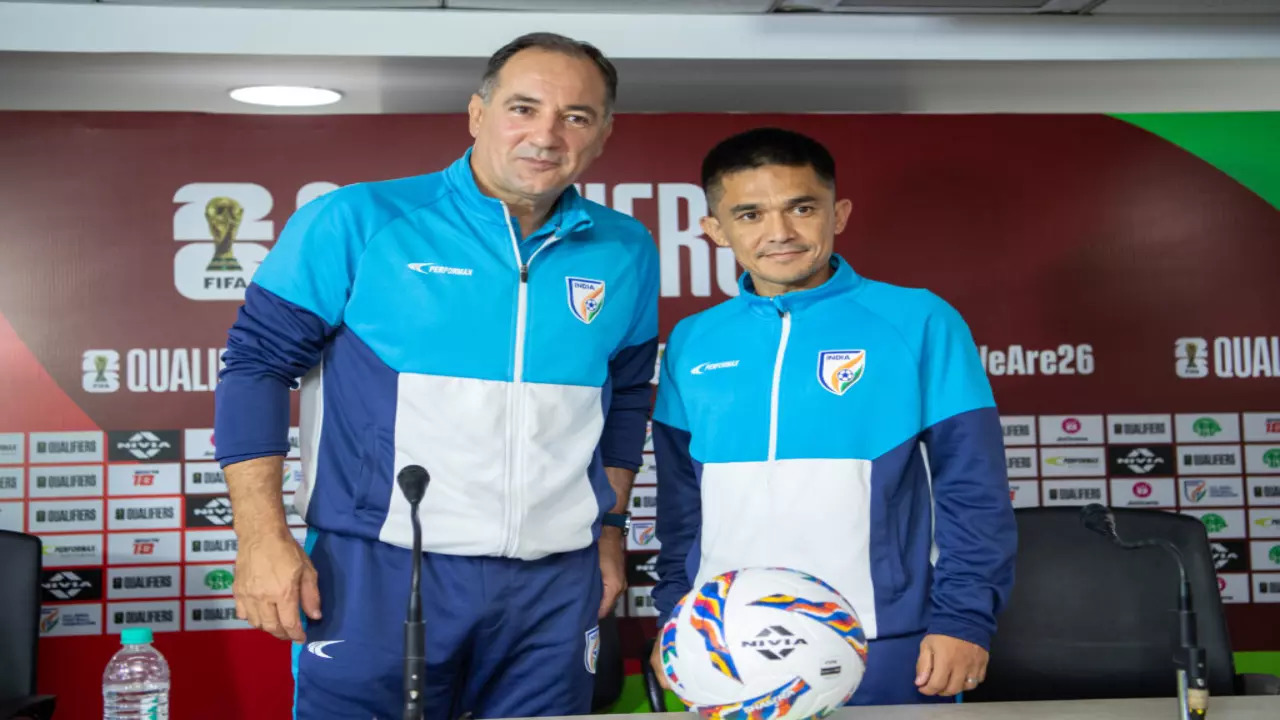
{"x": 413, "y": 480}
{"x": 1099, "y": 519}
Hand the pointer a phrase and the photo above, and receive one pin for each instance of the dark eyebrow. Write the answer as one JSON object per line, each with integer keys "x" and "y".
{"x": 751, "y": 207}
{"x": 526, "y": 100}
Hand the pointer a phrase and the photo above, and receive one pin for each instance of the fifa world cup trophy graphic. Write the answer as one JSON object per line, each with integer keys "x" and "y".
{"x": 100, "y": 364}
{"x": 223, "y": 215}
{"x": 1193, "y": 350}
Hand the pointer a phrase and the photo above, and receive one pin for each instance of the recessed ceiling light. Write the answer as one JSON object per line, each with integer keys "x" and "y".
{"x": 285, "y": 95}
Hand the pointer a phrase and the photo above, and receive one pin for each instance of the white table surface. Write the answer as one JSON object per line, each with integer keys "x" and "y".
{"x": 1220, "y": 708}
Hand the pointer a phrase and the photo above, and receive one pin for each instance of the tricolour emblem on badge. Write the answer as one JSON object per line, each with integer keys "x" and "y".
{"x": 592, "y": 653}
{"x": 839, "y": 370}
{"x": 586, "y": 297}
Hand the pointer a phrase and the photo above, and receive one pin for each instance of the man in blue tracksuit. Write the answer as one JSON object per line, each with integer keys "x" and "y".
{"x": 836, "y": 425}
{"x": 486, "y": 323}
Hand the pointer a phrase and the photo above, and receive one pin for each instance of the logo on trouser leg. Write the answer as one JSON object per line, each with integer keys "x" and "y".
{"x": 592, "y": 652}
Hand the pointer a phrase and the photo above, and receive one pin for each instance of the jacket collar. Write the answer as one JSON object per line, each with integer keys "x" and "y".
{"x": 842, "y": 280}
{"x": 569, "y": 215}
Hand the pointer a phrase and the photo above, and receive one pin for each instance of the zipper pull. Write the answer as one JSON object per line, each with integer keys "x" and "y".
{"x": 524, "y": 273}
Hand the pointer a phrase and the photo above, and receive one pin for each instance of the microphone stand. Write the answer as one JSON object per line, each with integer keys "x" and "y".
{"x": 1193, "y": 683}
{"x": 413, "y": 481}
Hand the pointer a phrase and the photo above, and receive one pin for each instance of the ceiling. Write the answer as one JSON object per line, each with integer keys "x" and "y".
{"x": 412, "y": 56}
{"x": 199, "y": 83}
{"x": 1078, "y": 7}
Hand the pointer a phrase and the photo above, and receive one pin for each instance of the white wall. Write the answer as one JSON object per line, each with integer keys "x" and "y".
{"x": 86, "y": 56}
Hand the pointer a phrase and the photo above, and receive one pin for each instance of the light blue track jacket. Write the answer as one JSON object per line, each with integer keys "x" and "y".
{"x": 427, "y": 331}
{"x": 847, "y": 431}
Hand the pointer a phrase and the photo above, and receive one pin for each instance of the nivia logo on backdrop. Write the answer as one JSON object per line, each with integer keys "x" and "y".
{"x": 1238, "y": 356}
{"x": 143, "y": 445}
{"x": 159, "y": 370}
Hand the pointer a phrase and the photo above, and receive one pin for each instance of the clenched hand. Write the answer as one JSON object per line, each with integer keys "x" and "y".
{"x": 948, "y": 665}
{"x": 613, "y": 568}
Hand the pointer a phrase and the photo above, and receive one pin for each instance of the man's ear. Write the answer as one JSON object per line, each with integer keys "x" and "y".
{"x": 711, "y": 226}
{"x": 475, "y": 113}
{"x": 844, "y": 208}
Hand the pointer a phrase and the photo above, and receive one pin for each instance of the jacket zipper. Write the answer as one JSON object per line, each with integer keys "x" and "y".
{"x": 777, "y": 382}
{"x": 515, "y": 399}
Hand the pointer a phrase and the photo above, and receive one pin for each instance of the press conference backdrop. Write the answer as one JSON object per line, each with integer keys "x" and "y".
{"x": 1118, "y": 273}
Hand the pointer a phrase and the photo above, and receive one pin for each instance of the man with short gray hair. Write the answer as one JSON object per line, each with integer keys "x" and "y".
{"x": 486, "y": 323}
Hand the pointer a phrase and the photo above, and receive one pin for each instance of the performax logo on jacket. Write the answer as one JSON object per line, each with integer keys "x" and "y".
{"x": 709, "y": 366}
{"x": 430, "y": 268}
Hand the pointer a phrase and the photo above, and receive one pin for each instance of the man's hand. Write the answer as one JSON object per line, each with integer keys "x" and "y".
{"x": 948, "y": 665}
{"x": 612, "y": 567}
{"x": 655, "y": 659}
{"x": 274, "y": 576}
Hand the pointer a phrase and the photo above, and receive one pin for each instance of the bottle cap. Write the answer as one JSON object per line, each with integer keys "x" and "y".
{"x": 135, "y": 636}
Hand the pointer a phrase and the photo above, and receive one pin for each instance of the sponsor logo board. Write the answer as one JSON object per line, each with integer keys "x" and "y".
{"x": 1228, "y": 523}
{"x": 131, "y": 583}
{"x": 74, "y": 619}
{"x": 209, "y": 580}
{"x": 56, "y": 516}
{"x": 211, "y": 545}
{"x": 1209, "y": 460}
{"x": 1139, "y": 429}
{"x": 144, "y": 548}
{"x": 1073, "y": 492}
{"x": 58, "y": 481}
{"x": 67, "y": 584}
{"x": 1145, "y": 492}
{"x": 143, "y": 446}
{"x": 144, "y": 479}
{"x": 13, "y": 483}
{"x": 1210, "y": 491}
{"x": 159, "y": 615}
{"x": 214, "y": 614}
{"x": 1024, "y": 493}
{"x": 13, "y": 448}
{"x": 144, "y": 513}
{"x": 1071, "y": 430}
{"x": 65, "y": 447}
{"x": 1073, "y": 462}
{"x": 58, "y": 551}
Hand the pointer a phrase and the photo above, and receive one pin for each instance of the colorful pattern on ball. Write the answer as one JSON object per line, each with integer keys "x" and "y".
{"x": 708, "y": 620}
{"x": 668, "y": 641}
{"x": 772, "y": 704}
{"x": 827, "y": 613}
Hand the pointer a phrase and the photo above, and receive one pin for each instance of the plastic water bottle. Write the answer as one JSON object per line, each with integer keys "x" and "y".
{"x": 135, "y": 685}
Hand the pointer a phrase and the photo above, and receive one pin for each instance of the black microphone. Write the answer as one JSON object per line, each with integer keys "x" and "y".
{"x": 413, "y": 481}
{"x": 1193, "y": 685}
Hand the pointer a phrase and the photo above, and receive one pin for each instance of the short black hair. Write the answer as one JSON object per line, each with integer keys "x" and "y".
{"x": 765, "y": 146}
{"x": 551, "y": 42}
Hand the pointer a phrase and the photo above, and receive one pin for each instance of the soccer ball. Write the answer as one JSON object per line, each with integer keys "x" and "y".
{"x": 769, "y": 643}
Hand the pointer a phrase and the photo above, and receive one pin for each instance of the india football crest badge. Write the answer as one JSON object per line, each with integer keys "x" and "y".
{"x": 839, "y": 370}
{"x": 592, "y": 653}
{"x": 586, "y": 298}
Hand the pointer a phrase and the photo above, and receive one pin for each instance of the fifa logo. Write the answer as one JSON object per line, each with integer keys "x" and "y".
{"x": 1191, "y": 357}
{"x": 223, "y": 215}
